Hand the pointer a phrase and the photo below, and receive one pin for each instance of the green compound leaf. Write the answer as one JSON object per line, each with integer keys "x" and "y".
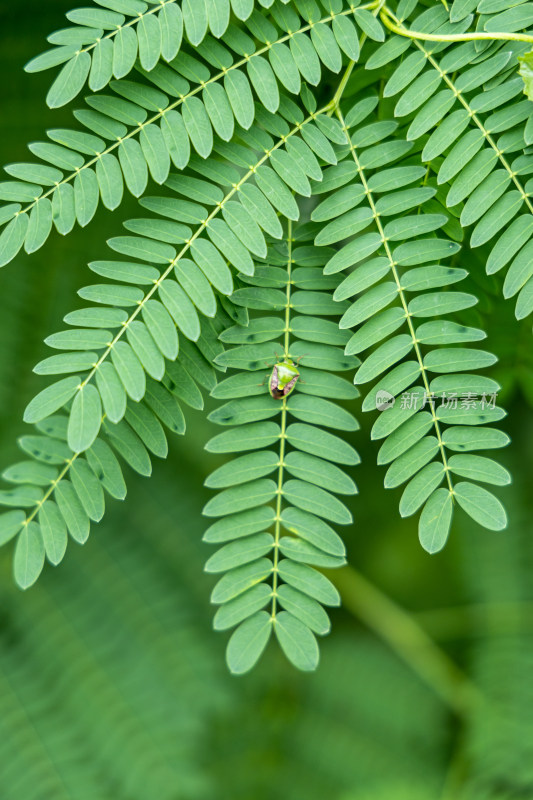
{"x": 304, "y": 608}
{"x": 70, "y": 80}
{"x": 85, "y": 418}
{"x": 479, "y": 468}
{"x": 51, "y": 399}
{"x": 240, "y": 608}
{"x": 289, "y": 479}
{"x": 241, "y": 498}
{"x": 53, "y": 531}
{"x": 10, "y": 524}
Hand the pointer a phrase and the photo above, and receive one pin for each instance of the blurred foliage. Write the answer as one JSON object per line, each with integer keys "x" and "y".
{"x": 112, "y": 685}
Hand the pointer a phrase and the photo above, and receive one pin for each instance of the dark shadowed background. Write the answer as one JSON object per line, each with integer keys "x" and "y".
{"x": 114, "y": 687}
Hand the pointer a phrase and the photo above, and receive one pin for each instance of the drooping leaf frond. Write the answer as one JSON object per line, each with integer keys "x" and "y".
{"x": 183, "y": 107}
{"x": 471, "y": 103}
{"x": 171, "y": 281}
{"x": 106, "y": 42}
{"x": 275, "y": 499}
{"x": 391, "y": 306}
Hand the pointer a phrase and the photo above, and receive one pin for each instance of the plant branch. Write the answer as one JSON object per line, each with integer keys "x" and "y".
{"x": 283, "y": 435}
{"x": 410, "y": 642}
{"x": 463, "y": 621}
{"x": 390, "y": 22}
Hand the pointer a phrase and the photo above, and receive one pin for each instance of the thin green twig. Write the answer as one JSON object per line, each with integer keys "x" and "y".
{"x": 283, "y": 435}
{"x": 390, "y": 22}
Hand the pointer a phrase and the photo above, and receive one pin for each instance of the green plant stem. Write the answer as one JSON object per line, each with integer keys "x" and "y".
{"x": 393, "y": 24}
{"x": 342, "y": 86}
{"x": 480, "y": 619}
{"x": 283, "y": 437}
{"x": 411, "y": 643}
{"x": 334, "y": 105}
{"x": 456, "y": 774}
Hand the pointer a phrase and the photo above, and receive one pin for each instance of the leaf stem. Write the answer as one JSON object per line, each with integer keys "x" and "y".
{"x": 390, "y": 22}
{"x": 334, "y": 105}
{"x": 493, "y": 618}
{"x": 401, "y": 632}
{"x": 283, "y": 438}
{"x": 340, "y": 90}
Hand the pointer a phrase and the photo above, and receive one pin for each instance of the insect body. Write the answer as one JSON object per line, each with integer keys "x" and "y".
{"x": 283, "y": 378}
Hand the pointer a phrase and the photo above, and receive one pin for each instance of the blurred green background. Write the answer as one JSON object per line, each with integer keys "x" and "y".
{"x": 113, "y": 686}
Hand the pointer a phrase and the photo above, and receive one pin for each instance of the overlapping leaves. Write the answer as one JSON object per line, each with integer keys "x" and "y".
{"x": 219, "y": 113}
{"x": 183, "y": 107}
{"x": 176, "y": 266}
{"x": 149, "y": 334}
{"x": 470, "y": 101}
{"x": 56, "y": 491}
{"x": 107, "y": 42}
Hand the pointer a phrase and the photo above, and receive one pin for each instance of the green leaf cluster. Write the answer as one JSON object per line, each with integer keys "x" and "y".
{"x": 315, "y": 180}
{"x": 187, "y": 103}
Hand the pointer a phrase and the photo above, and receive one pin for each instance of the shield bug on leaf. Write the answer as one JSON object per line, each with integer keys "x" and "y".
{"x": 283, "y": 378}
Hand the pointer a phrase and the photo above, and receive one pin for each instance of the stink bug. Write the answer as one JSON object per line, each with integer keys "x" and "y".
{"x": 283, "y": 378}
